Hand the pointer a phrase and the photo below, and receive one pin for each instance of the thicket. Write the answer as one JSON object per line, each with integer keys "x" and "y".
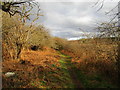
{"x": 17, "y": 35}
{"x": 93, "y": 56}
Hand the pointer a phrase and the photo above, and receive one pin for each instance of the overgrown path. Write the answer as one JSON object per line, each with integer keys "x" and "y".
{"x": 66, "y": 62}
{"x": 81, "y": 80}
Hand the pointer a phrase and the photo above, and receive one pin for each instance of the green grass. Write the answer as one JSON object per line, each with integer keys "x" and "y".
{"x": 65, "y": 73}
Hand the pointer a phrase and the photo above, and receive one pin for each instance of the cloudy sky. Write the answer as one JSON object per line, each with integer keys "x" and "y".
{"x": 74, "y": 19}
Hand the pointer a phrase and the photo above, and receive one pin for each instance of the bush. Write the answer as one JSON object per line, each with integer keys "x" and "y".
{"x": 59, "y": 43}
{"x": 40, "y": 37}
{"x": 94, "y": 57}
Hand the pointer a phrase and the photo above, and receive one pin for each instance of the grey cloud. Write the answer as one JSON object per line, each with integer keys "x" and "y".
{"x": 64, "y": 19}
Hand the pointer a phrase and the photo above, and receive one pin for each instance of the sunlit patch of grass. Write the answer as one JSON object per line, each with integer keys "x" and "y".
{"x": 65, "y": 75}
{"x": 62, "y": 55}
{"x": 38, "y": 84}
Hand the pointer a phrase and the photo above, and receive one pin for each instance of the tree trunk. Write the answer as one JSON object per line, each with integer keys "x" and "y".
{"x": 19, "y": 49}
{"x": 118, "y": 63}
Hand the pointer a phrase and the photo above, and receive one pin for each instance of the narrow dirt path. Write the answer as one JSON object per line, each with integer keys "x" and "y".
{"x": 72, "y": 71}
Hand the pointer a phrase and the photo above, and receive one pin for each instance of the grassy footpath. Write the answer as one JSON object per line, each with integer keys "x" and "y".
{"x": 66, "y": 62}
{"x": 57, "y": 78}
{"x": 66, "y": 74}
{"x": 81, "y": 79}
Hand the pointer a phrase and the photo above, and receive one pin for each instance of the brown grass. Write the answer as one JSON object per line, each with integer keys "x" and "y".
{"x": 37, "y": 63}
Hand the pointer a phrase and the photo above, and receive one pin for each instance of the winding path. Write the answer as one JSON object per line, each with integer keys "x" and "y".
{"x": 72, "y": 71}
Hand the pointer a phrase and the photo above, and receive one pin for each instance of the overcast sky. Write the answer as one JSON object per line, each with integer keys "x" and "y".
{"x": 72, "y": 19}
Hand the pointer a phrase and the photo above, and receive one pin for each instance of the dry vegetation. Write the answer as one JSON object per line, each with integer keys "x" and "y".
{"x": 33, "y": 54}
{"x": 33, "y": 71}
{"x": 94, "y": 57}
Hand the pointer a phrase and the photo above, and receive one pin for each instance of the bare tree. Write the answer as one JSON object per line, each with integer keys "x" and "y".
{"x": 107, "y": 29}
{"x": 21, "y": 7}
{"x": 112, "y": 29}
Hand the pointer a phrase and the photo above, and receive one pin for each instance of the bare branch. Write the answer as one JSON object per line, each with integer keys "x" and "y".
{"x": 102, "y": 3}
{"x": 113, "y": 18}
{"x": 112, "y": 9}
{"x": 15, "y": 7}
